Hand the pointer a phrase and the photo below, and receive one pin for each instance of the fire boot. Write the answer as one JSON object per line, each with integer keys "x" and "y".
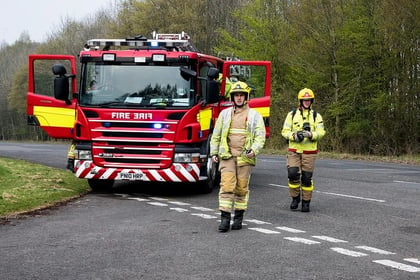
{"x": 70, "y": 164}
{"x": 295, "y": 202}
{"x": 225, "y": 221}
{"x": 305, "y": 205}
{"x": 237, "y": 219}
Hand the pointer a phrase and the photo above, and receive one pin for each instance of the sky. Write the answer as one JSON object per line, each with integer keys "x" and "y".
{"x": 40, "y": 17}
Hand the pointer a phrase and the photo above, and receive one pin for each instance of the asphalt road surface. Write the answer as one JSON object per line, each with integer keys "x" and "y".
{"x": 364, "y": 224}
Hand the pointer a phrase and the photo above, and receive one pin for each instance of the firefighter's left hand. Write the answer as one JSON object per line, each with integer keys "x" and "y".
{"x": 251, "y": 154}
{"x": 307, "y": 134}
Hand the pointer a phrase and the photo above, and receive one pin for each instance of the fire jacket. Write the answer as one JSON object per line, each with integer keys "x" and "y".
{"x": 254, "y": 139}
{"x": 294, "y": 123}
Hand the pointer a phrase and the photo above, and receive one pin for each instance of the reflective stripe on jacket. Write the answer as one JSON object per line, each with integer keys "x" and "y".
{"x": 255, "y": 136}
{"x": 293, "y": 124}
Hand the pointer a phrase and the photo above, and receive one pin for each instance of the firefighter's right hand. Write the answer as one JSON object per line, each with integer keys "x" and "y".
{"x": 298, "y": 136}
{"x": 215, "y": 159}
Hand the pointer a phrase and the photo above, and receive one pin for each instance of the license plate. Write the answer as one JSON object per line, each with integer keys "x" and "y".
{"x": 129, "y": 176}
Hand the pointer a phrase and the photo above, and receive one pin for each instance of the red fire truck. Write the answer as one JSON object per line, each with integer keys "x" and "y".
{"x": 143, "y": 110}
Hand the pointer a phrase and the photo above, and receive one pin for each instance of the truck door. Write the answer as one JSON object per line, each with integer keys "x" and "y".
{"x": 257, "y": 74}
{"x": 55, "y": 117}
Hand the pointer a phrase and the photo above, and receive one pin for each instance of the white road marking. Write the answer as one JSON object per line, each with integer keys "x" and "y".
{"x": 177, "y": 209}
{"x": 258, "y": 222}
{"x": 352, "y": 196}
{"x": 204, "y": 216}
{"x": 158, "y": 198}
{"x": 406, "y": 182}
{"x": 138, "y": 199}
{"x": 293, "y": 230}
{"x": 202, "y": 208}
{"x": 338, "y": 194}
{"x": 348, "y": 252}
{"x": 157, "y": 203}
{"x": 413, "y": 260}
{"x": 329, "y": 239}
{"x": 302, "y": 240}
{"x": 375, "y": 250}
{"x": 263, "y": 230}
{"x": 397, "y": 265}
{"x": 179, "y": 203}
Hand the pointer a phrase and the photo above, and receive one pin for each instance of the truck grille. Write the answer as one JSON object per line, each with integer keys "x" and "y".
{"x": 132, "y": 144}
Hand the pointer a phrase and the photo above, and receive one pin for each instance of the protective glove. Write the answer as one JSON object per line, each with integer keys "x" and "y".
{"x": 307, "y": 134}
{"x": 298, "y": 136}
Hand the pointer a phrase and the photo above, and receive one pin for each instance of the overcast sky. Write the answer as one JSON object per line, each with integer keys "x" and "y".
{"x": 40, "y": 17}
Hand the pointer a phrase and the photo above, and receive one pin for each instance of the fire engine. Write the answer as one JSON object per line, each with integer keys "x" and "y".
{"x": 143, "y": 109}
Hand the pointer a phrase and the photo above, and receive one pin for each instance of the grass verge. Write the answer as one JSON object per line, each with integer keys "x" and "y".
{"x": 27, "y": 187}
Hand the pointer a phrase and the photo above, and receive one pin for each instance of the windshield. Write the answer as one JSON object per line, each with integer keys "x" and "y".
{"x": 135, "y": 86}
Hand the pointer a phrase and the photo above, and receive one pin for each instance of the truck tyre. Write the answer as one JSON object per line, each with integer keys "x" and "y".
{"x": 100, "y": 185}
{"x": 213, "y": 177}
{"x": 210, "y": 170}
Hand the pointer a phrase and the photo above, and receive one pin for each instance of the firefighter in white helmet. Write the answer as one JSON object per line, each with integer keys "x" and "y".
{"x": 238, "y": 137}
{"x": 303, "y": 128}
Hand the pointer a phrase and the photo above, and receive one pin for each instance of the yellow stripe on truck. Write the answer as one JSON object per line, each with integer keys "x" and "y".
{"x": 204, "y": 118}
{"x": 264, "y": 111}
{"x": 55, "y": 116}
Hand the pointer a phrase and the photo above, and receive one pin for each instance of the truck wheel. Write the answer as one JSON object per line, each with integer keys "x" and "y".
{"x": 213, "y": 177}
{"x": 100, "y": 185}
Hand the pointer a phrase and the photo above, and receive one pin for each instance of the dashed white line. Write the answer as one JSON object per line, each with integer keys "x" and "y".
{"x": 263, "y": 230}
{"x": 406, "y": 182}
{"x": 348, "y": 252}
{"x": 179, "y": 203}
{"x": 397, "y": 265}
{"x": 329, "y": 239}
{"x": 302, "y": 240}
{"x": 138, "y": 199}
{"x": 293, "y": 230}
{"x": 181, "y": 210}
{"x": 258, "y": 222}
{"x": 158, "y": 198}
{"x": 413, "y": 260}
{"x": 202, "y": 208}
{"x": 375, "y": 250}
{"x": 204, "y": 216}
{"x": 157, "y": 203}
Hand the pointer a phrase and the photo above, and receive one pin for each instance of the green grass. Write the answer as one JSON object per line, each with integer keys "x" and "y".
{"x": 26, "y": 187}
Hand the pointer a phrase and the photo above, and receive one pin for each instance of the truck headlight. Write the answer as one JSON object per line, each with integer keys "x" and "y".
{"x": 83, "y": 154}
{"x": 187, "y": 157}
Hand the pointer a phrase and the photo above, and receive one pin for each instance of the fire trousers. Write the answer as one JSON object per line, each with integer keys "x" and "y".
{"x": 300, "y": 168}
{"x": 234, "y": 191}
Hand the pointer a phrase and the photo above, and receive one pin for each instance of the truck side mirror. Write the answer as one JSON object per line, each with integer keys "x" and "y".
{"x": 61, "y": 83}
{"x": 213, "y": 90}
{"x": 213, "y": 86}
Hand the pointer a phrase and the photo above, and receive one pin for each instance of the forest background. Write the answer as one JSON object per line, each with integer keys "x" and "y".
{"x": 360, "y": 57}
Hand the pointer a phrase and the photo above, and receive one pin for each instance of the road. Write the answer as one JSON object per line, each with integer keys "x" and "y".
{"x": 364, "y": 224}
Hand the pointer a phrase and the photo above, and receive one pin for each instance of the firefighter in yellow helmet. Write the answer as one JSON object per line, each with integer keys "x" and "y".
{"x": 303, "y": 128}
{"x": 238, "y": 137}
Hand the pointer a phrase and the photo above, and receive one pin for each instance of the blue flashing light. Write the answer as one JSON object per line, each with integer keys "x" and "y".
{"x": 154, "y": 44}
{"x": 157, "y": 125}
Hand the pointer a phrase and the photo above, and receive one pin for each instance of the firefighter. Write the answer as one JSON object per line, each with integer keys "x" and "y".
{"x": 70, "y": 156}
{"x": 303, "y": 128}
{"x": 238, "y": 137}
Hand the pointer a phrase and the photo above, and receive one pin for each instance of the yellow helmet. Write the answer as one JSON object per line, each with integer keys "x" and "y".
{"x": 306, "y": 93}
{"x": 240, "y": 87}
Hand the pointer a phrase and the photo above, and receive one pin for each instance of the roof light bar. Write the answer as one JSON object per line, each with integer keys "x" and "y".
{"x": 170, "y": 41}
